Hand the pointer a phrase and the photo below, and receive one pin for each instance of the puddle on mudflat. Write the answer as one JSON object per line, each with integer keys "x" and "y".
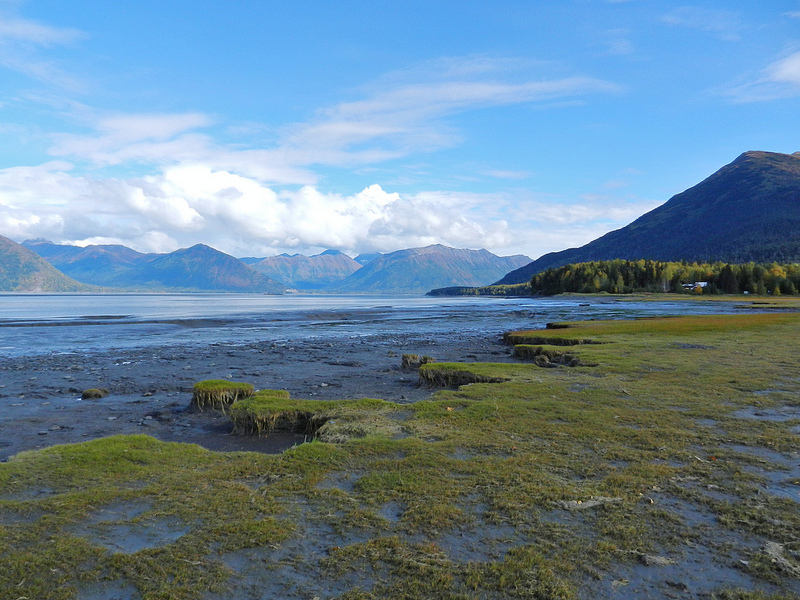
{"x": 770, "y": 456}
{"x": 119, "y": 527}
{"x": 119, "y": 511}
{"x": 392, "y": 511}
{"x": 693, "y": 574}
{"x": 342, "y": 480}
{"x": 692, "y": 516}
{"x": 18, "y": 516}
{"x": 778, "y": 415}
{"x": 479, "y": 542}
{"x": 36, "y": 493}
{"x": 109, "y": 590}
{"x": 293, "y": 570}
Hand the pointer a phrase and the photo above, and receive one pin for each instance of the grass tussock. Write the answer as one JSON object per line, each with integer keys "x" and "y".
{"x": 457, "y": 374}
{"x": 545, "y": 357}
{"x": 219, "y": 394}
{"x": 269, "y": 410}
{"x": 414, "y": 361}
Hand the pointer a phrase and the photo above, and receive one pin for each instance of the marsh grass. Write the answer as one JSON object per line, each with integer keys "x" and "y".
{"x": 219, "y": 394}
{"x": 550, "y": 478}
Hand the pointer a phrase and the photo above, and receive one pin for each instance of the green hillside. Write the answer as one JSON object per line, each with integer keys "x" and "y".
{"x": 748, "y": 211}
{"x": 22, "y": 270}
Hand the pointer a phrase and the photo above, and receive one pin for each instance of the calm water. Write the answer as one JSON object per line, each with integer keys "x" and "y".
{"x": 32, "y": 324}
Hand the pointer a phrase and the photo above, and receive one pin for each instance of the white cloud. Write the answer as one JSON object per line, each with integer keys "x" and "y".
{"x": 191, "y": 203}
{"x": 780, "y": 79}
{"x": 725, "y": 24}
{"x": 21, "y": 41}
{"x": 617, "y": 42}
{"x": 400, "y": 115}
{"x": 503, "y": 174}
{"x": 15, "y": 29}
{"x": 786, "y": 70}
{"x": 138, "y": 137}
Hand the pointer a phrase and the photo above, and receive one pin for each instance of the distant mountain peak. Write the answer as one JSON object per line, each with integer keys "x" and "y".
{"x": 418, "y": 270}
{"x": 303, "y": 272}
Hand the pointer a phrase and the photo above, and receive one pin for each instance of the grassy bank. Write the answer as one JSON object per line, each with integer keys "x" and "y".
{"x": 663, "y": 461}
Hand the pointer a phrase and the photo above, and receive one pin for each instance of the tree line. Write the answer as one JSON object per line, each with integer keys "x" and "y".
{"x": 628, "y": 276}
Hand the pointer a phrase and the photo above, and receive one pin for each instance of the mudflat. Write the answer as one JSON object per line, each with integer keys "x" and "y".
{"x": 150, "y": 389}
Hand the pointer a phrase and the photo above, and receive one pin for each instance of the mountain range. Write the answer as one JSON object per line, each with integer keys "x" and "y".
{"x": 201, "y": 268}
{"x": 747, "y": 211}
{"x": 418, "y": 270}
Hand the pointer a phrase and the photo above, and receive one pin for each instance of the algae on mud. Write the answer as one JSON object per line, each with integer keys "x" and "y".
{"x": 649, "y": 473}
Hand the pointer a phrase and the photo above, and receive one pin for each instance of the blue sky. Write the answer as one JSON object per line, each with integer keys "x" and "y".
{"x": 263, "y": 127}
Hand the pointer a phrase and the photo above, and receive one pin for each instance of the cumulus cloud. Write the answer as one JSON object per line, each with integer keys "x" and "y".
{"x": 190, "y": 203}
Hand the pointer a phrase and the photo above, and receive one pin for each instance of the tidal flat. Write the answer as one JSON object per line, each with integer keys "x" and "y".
{"x": 661, "y": 461}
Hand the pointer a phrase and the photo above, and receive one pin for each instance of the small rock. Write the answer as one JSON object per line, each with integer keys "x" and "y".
{"x": 586, "y": 504}
{"x": 55, "y": 428}
{"x": 112, "y": 418}
{"x": 655, "y": 561}
{"x": 42, "y": 433}
{"x": 678, "y": 585}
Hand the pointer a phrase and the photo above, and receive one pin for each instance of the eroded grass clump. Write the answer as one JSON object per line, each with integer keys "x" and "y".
{"x": 544, "y": 357}
{"x": 414, "y": 361}
{"x": 269, "y": 410}
{"x": 219, "y": 394}
{"x": 457, "y": 374}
